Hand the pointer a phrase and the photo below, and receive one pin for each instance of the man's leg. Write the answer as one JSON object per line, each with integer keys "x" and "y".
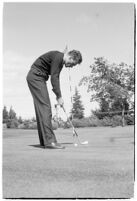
{"x": 44, "y": 117}
{"x": 40, "y": 95}
{"x": 39, "y": 128}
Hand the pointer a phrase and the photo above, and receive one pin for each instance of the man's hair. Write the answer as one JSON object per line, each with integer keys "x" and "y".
{"x": 76, "y": 55}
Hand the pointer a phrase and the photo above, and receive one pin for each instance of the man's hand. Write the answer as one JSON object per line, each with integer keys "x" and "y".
{"x": 60, "y": 101}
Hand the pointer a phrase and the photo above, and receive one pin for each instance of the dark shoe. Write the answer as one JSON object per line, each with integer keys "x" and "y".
{"x": 54, "y": 145}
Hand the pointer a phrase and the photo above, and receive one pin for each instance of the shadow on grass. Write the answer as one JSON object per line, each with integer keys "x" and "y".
{"x": 42, "y": 147}
{"x": 37, "y": 146}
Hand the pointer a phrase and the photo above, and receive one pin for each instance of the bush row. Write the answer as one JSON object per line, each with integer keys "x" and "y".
{"x": 26, "y": 125}
{"x": 84, "y": 122}
{"x": 106, "y": 121}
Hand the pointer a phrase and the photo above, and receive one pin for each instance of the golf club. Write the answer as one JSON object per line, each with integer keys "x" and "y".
{"x": 75, "y": 135}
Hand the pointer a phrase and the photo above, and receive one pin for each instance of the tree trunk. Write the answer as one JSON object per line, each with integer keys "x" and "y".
{"x": 123, "y": 116}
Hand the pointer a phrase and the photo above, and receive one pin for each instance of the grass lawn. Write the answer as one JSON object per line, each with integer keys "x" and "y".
{"x": 102, "y": 169}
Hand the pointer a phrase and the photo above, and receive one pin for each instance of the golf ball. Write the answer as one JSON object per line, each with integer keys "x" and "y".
{"x": 75, "y": 145}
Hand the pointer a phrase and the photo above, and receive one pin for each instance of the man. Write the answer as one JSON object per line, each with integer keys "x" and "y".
{"x": 49, "y": 64}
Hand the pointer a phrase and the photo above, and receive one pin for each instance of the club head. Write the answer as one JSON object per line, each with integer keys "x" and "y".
{"x": 85, "y": 142}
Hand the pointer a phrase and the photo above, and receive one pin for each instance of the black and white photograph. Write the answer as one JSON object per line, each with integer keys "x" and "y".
{"x": 68, "y": 111}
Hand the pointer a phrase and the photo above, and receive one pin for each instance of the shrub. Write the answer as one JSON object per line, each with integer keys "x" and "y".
{"x": 130, "y": 120}
{"x": 28, "y": 125}
{"x": 94, "y": 121}
{"x": 21, "y": 126}
{"x": 84, "y": 122}
{"x": 117, "y": 120}
{"x": 106, "y": 121}
{"x": 13, "y": 123}
{"x": 32, "y": 125}
{"x": 81, "y": 122}
{"x": 112, "y": 121}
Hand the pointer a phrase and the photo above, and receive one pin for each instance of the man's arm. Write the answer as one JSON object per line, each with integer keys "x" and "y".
{"x": 55, "y": 73}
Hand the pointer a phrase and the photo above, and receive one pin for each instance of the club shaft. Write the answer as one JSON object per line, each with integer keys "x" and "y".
{"x": 70, "y": 122}
{"x": 76, "y": 135}
{"x": 68, "y": 117}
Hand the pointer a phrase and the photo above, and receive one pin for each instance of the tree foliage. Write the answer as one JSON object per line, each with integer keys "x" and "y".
{"x": 20, "y": 120}
{"x": 77, "y": 109}
{"x": 5, "y": 115}
{"x": 111, "y": 83}
{"x": 12, "y": 114}
{"x": 9, "y": 118}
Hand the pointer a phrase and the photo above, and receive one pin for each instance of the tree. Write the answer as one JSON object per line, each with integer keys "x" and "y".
{"x": 20, "y": 120}
{"x": 110, "y": 82}
{"x": 12, "y": 114}
{"x": 77, "y": 109}
{"x": 104, "y": 108}
{"x": 116, "y": 106}
{"x": 5, "y": 115}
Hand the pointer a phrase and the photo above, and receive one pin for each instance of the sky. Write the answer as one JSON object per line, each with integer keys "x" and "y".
{"x": 32, "y": 29}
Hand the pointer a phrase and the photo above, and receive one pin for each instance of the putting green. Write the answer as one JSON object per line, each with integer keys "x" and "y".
{"x": 102, "y": 169}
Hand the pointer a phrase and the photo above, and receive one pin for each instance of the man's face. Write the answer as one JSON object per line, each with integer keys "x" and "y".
{"x": 69, "y": 62}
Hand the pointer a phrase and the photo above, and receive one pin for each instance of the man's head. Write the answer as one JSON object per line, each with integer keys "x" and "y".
{"x": 72, "y": 58}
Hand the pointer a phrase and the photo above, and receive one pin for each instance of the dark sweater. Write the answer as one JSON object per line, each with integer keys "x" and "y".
{"x": 51, "y": 63}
